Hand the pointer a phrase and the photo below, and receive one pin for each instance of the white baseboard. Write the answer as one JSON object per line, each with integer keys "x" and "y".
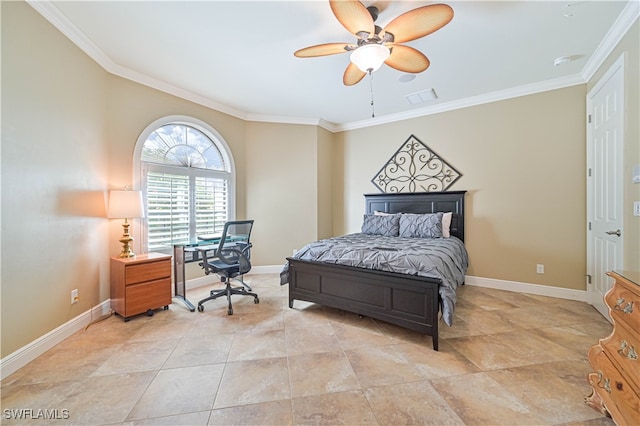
{"x": 541, "y": 290}
{"x": 18, "y": 359}
{"x": 28, "y": 353}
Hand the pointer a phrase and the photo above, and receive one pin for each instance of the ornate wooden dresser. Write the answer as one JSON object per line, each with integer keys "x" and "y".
{"x": 615, "y": 381}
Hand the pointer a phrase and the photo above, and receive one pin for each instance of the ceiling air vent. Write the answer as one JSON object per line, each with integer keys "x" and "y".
{"x": 420, "y": 97}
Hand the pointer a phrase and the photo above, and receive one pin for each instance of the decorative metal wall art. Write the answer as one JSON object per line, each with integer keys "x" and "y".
{"x": 415, "y": 168}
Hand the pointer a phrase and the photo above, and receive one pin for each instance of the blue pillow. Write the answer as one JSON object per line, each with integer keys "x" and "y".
{"x": 427, "y": 225}
{"x": 387, "y": 225}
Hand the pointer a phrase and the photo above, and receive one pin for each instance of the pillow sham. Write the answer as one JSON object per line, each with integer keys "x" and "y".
{"x": 386, "y": 225}
{"x": 446, "y": 224}
{"x": 427, "y": 225}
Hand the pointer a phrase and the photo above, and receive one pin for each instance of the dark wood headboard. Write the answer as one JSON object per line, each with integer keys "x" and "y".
{"x": 421, "y": 202}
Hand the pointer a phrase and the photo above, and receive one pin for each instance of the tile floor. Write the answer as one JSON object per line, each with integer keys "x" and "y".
{"x": 510, "y": 358}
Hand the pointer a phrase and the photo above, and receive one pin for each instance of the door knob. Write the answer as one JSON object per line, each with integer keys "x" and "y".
{"x": 617, "y": 233}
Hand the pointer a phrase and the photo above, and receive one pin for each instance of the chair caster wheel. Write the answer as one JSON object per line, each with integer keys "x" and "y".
{"x": 200, "y": 308}
{"x": 256, "y": 300}
{"x": 149, "y": 313}
{"x": 230, "y": 312}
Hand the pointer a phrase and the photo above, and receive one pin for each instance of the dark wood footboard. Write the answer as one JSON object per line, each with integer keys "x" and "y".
{"x": 404, "y": 300}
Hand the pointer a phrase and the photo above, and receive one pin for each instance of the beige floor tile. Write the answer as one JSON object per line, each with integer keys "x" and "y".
{"x": 267, "y": 344}
{"x": 331, "y": 372}
{"x": 106, "y": 399}
{"x": 552, "y": 398}
{"x": 16, "y": 398}
{"x": 344, "y": 408}
{"x": 351, "y": 337}
{"x": 479, "y": 400}
{"x": 311, "y": 340}
{"x": 505, "y": 350}
{"x": 383, "y": 366}
{"x": 192, "y": 351}
{"x": 178, "y": 391}
{"x": 258, "y": 322}
{"x": 415, "y": 403}
{"x": 252, "y": 382}
{"x": 138, "y": 356}
{"x": 276, "y": 413}
{"x": 430, "y": 364}
{"x": 162, "y": 329}
{"x": 187, "y": 419}
{"x": 207, "y": 324}
{"x": 578, "y": 337}
{"x": 483, "y": 298}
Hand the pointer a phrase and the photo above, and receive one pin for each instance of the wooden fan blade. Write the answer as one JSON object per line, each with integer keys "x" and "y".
{"x": 352, "y": 75}
{"x": 407, "y": 59}
{"x": 321, "y": 50}
{"x": 353, "y": 16}
{"x": 419, "y": 22}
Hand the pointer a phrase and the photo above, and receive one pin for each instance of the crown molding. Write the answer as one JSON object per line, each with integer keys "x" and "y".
{"x": 628, "y": 16}
{"x": 500, "y": 95}
{"x": 617, "y": 31}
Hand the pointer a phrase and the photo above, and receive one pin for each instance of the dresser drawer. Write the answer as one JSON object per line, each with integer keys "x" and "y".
{"x": 140, "y": 298}
{"x": 138, "y": 273}
{"x": 618, "y": 397}
{"x": 622, "y": 348}
{"x": 624, "y": 304}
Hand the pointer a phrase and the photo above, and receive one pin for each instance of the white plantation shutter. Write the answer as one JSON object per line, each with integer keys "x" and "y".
{"x": 187, "y": 186}
{"x": 168, "y": 213}
{"x": 211, "y": 205}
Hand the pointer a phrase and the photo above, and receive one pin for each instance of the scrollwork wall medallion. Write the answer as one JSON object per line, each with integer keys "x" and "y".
{"x": 415, "y": 168}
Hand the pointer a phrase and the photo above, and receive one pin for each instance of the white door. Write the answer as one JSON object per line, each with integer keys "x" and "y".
{"x": 605, "y": 108}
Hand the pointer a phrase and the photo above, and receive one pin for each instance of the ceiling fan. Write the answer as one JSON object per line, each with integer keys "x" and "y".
{"x": 374, "y": 45}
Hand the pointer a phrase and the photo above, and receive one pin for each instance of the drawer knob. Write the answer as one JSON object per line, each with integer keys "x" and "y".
{"x": 628, "y": 350}
{"x": 619, "y": 386}
{"x": 627, "y": 308}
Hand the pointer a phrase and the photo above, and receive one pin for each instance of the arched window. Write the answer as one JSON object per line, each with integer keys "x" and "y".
{"x": 186, "y": 177}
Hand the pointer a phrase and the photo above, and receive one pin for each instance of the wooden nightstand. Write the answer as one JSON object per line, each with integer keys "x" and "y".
{"x": 140, "y": 284}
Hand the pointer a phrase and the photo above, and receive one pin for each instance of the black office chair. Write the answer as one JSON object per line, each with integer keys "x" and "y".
{"x": 232, "y": 258}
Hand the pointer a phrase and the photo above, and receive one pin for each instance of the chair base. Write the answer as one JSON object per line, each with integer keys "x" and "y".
{"x": 229, "y": 291}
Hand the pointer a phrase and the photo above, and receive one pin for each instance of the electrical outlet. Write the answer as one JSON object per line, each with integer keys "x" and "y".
{"x": 74, "y": 296}
{"x": 539, "y": 269}
{"x": 636, "y": 208}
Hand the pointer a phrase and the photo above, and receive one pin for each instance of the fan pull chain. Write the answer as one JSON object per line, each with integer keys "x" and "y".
{"x": 373, "y": 111}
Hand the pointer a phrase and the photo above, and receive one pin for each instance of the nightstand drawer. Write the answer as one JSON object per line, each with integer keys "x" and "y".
{"x": 151, "y": 295}
{"x": 139, "y": 273}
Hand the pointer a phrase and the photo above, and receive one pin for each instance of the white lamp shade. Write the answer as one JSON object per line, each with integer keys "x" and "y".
{"x": 125, "y": 204}
{"x": 370, "y": 57}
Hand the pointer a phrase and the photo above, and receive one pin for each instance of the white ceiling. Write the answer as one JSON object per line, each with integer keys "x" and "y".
{"x": 237, "y": 56}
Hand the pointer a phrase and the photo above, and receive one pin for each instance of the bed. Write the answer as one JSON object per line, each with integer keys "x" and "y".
{"x": 411, "y": 300}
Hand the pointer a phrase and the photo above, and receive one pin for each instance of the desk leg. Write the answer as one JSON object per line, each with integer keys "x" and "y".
{"x": 179, "y": 277}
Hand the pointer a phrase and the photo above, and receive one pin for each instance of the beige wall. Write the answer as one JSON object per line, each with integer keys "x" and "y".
{"x": 523, "y": 163}
{"x": 282, "y": 188}
{"x": 630, "y": 48}
{"x": 54, "y": 146}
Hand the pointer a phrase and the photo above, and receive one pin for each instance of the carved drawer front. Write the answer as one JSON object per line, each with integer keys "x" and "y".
{"x": 622, "y": 348}
{"x": 624, "y": 304}
{"x": 618, "y": 397}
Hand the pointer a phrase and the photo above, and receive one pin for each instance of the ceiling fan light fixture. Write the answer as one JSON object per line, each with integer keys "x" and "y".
{"x": 370, "y": 57}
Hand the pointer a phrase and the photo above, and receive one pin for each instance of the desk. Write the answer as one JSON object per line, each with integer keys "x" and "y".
{"x": 188, "y": 253}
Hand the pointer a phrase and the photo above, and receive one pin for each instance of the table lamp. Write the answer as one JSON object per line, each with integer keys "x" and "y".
{"x": 125, "y": 205}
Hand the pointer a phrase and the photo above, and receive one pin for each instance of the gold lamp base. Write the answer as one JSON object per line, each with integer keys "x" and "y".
{"x": 126, "y": 240}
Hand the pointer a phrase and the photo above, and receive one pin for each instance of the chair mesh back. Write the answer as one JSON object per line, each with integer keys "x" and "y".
{"x": 236, "y": 237}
